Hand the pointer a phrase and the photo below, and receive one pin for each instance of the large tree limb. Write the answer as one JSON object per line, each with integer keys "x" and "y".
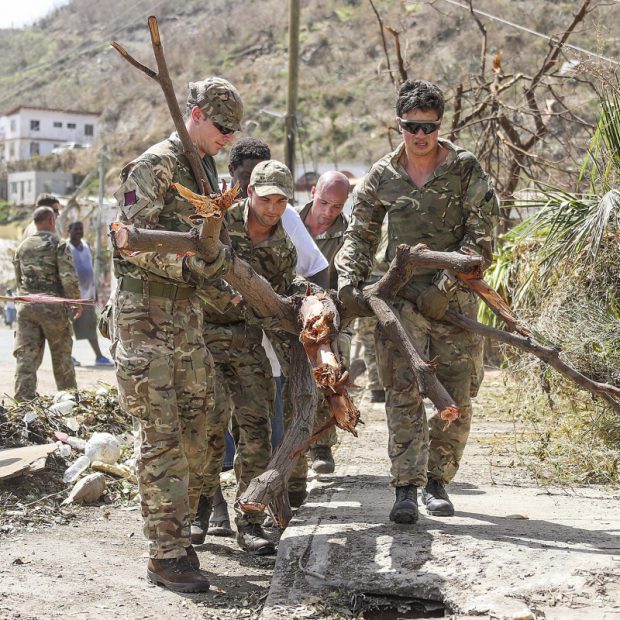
{"x": 162, "y": 77}
{"x": 550, "y": 355}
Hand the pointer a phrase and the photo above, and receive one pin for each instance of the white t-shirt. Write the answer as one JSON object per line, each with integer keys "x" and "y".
{"x": 310, "y": 261}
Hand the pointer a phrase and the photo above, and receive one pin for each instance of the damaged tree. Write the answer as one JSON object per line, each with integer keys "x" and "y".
{"x": 317, "y": 318}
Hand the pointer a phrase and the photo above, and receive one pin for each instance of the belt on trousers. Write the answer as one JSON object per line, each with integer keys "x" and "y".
{"x": 149, "y": 288}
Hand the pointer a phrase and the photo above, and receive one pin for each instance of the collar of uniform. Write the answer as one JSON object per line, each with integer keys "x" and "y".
{"x": 335, "y": 230}
{"x": 277, "y": 235}
{"x": 174, "y": 138}
{"x": 398, "y": 169}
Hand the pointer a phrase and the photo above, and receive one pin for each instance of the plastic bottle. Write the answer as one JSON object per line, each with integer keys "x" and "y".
{"x": 76, "y": 469}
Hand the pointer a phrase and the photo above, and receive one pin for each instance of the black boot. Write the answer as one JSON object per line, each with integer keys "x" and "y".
{"x": 405, "y": 509}
{"x": 219, "y": 523}
{"x": 435, "y": 497}
{"x": 200, "y": 526}
{"x": 176, "y": 574}
{"x": 322, "y": 459}
{"x": 377, "y": 396}
{"x": 297, "y": 497}
{"x": 251, "y": 538}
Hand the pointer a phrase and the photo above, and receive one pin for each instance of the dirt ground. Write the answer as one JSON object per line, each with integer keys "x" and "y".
{"x": 85, "y": 562}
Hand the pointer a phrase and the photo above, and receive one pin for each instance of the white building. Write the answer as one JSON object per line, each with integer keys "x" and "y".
{"x": 26, "y": 131}
{"x": 24, "y": 187}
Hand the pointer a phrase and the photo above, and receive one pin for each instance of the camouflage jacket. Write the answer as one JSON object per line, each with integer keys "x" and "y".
{"x": 456, "y": 208}
{"x": 44, "y": 264}
{"x": 329, "y": 242}
{"x": 147, "y": 200}
{"x": 274, "y": 259}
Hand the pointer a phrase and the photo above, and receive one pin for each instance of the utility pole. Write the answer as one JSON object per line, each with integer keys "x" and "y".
{"x": 293, "y": 81}
{"x": 102, "y": 158}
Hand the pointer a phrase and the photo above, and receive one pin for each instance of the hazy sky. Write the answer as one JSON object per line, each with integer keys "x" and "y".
{"x": 16, "y": 13}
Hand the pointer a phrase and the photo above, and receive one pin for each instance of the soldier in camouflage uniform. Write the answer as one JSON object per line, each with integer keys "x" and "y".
{"x": 326, "y": 224}
{"x": 258, "y": 237}
{"x": 437, "y": 194}
{"x": 164, "y": 371}
{"x": 365, "y": 326}
{"x": 44, "y": 264}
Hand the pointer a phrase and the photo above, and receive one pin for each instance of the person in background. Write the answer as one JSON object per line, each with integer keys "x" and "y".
{"x": 46, "y": 200}
{"x": 44, "y": 265}
{"x": 326, "y": 223}
{"x": 85, "y": 327}
{"x": 10, "y": 312}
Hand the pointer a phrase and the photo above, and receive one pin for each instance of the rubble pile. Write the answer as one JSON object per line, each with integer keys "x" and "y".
{"x": 57, "y": 452}
{"x": 79, "y": 414}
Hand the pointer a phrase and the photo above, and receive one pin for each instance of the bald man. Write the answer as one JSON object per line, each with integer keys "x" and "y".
{"x": 326, "y": 224}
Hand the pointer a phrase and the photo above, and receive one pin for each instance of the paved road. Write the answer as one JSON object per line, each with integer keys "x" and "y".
{"x": 87, "y": 375}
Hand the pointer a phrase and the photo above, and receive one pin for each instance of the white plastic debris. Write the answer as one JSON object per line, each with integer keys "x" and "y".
{"x": 63, "y": 396}
{"x": 64, "y": 407}
{"x": 88, "y": 489}
{"x": 102, "y": 391}
{"x": 72, "y": 424}
{"x": 103, "y": 447}
{"x": 30, "y": 416}
{"x": 74, "y": 442}
{"x": 76, "y": 469}
{"x": 63, "y": 449}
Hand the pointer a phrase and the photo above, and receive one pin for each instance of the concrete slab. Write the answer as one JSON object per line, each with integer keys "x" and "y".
{"x": 511, "y": 551}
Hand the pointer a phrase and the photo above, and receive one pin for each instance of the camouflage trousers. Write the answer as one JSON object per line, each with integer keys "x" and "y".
{"x": 245, "y": 390}
{"x": 165, "y": 380}
{"x": 418, "y": 448}
{"x": 365, "y": 336}
{"x": 37, "y": 323}
{"x": 329, "y": 438}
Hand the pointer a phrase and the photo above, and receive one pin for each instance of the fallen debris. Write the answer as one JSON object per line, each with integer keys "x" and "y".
{"x": 88, "y": 489}
{"x": 16, "y": 461}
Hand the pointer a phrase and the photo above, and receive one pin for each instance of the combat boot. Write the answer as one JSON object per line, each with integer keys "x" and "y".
{"x": 192, "y": 556}
{"x": 435, "y": 497}
{"x": 322, "y": 459}
{"x": 251, "y": 538}
{"x": 200, "y": 526}
{"x": 377, "y": 396}
{"x": 296, "y": 498}
{"x": 405, "y": 509}
{"x": 219, "y": 523}
{"x": 177, "y": 575}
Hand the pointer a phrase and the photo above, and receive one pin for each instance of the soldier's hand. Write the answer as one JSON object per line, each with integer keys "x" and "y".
{"x": 353, "y": 300}
{"x": 433, "y": 303}
{"x": 77, "y": 312}
{"x": 199, "y": 268}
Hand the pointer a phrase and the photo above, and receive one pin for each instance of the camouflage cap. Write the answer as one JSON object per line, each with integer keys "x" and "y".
{"x": 219, "y": 100}
{"x": 272, "y": 177}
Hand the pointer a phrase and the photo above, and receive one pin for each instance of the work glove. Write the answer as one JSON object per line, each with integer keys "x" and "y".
{"x": 353, "y": 300}
{"x": 198, "y": 269}
{"x": 433, "y": 303}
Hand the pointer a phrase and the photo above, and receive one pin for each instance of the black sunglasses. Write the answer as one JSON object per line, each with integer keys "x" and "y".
{"x": 223, "y": 130}
{"x": 414, "y": 126}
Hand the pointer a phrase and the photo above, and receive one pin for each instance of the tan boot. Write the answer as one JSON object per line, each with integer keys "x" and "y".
{"x": 177, "y": 575}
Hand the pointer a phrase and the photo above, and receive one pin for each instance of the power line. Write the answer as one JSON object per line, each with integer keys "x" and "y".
{"x": 530, "y": 31}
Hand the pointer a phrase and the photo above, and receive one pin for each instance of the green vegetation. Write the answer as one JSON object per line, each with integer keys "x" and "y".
{"x": 560, "y": 269}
